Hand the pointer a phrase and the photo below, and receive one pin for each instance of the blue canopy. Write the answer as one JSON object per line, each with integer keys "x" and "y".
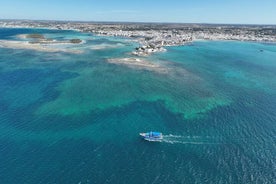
{"x": 155, "y": 134}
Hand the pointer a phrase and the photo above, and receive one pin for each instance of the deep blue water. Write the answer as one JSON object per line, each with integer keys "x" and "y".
{"x": 75, "y": 118}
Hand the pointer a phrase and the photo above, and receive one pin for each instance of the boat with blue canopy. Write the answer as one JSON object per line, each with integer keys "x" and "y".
{"x": 152, "y": 136}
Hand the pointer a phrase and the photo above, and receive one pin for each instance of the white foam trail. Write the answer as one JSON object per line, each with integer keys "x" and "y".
{"x": 184, "y": 137}
{"x": 185, "y": 142}
{"x": 175, "y": 136}
{"x": 178, "y": 139}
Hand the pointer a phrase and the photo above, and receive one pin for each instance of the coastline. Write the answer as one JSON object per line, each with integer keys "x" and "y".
{"x": 154, "y": 38}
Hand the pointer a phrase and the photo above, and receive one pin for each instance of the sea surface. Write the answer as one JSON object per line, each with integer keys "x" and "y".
{"x": 75, "y": 118}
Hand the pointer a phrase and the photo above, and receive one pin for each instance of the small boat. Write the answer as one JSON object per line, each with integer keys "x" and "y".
{"x": 152, "y": 136}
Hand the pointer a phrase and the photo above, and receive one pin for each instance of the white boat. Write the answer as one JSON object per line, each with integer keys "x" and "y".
{"x": 152, "y": 136}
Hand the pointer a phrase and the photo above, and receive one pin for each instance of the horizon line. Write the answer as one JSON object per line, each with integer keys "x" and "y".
{"x": 139, "y": 22}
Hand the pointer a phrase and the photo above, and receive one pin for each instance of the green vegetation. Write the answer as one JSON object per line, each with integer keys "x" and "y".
{"x": 75, "y": 41}
{"x": 35, "y": 36}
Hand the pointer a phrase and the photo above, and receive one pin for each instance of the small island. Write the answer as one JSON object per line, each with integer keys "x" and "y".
{"x": 35, "y": 38}
{"x": 75, "y": 41}
{"x": 40, "y": 42}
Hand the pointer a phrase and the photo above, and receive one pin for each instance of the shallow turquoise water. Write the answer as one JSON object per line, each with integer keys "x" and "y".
{"x": 75, "y": 118}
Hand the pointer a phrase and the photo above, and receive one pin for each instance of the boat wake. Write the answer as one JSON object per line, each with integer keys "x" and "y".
{"x": 178, "y": 139}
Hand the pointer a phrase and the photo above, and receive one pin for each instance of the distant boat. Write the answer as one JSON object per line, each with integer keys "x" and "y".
{"x": 152, "y": 136}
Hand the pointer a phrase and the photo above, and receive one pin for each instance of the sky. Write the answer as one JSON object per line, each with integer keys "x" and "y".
{"x": 182, "y": 11}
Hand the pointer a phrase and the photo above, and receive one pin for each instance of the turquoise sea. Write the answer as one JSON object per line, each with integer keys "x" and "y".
{"x": 75, "y": 117}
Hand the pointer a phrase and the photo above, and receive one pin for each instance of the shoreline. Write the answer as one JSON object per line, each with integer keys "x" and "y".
{"x": 154, "y": 38}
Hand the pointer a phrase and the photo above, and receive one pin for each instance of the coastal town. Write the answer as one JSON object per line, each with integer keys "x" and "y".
{"x": 154, "y": 37}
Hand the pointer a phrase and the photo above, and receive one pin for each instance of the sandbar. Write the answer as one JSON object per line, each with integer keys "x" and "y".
{"x": 35, "y": 46}
{"x": 139, "y": 63}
